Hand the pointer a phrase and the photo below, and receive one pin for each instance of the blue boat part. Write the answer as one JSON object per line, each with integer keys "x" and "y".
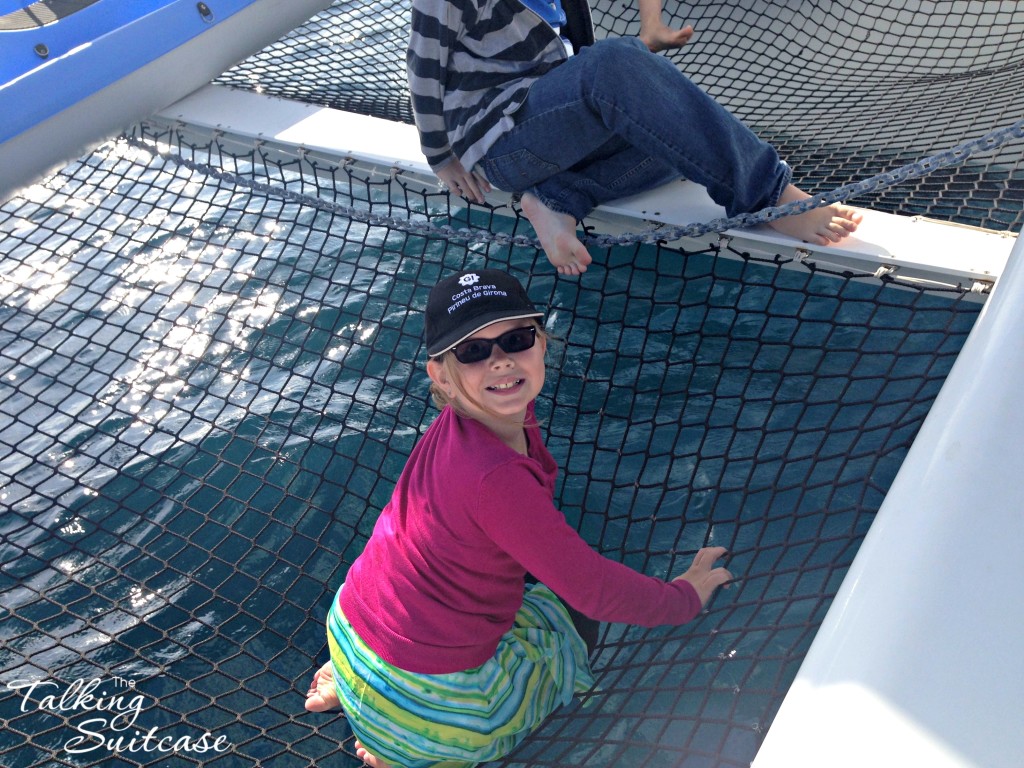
{"x": 75, "y": 72}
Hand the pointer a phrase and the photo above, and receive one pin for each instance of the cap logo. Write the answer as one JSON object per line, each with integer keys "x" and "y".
{"x": 473, "y": 291}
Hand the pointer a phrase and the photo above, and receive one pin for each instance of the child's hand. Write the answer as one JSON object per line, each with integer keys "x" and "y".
{"x": 659, "y": 37}
{"x": 702, "y": 574}
{"x": 457, "y": 179}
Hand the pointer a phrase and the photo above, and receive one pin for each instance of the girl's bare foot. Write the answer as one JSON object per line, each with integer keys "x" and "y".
{"x": 557, "y": 235}
{"x": 822, "y": 226}
{"x": 321, "y": 695}
{"x": 369, "y": 759}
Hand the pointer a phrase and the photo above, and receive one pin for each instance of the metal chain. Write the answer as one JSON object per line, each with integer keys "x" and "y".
{"x": 950, "y": 157}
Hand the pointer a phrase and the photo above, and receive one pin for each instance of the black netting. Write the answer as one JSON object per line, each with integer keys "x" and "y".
{"x": 206, "y": 394}
{"x": 845, "y": 89}
{"x": 351, "y": 57}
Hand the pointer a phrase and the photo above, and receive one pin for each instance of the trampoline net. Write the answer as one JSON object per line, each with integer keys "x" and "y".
{"x": 207, "y": 392}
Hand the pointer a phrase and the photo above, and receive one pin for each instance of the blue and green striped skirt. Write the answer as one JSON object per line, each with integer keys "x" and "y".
{"x": 463, "y": 718}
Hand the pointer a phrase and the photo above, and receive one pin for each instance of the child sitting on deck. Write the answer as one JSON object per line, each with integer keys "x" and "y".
{"x": 441, "y": 653}
{"x": 499, "y": 99}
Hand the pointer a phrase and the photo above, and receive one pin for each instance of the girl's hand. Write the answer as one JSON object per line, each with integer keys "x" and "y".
{"x": 702, "y": 574}
{"x": 457, "y": 179}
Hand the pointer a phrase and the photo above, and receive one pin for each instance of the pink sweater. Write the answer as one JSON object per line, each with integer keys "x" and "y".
{"x": 441, "y": 577}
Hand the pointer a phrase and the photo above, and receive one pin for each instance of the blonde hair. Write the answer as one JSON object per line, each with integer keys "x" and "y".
{"x": 453, "y": 374}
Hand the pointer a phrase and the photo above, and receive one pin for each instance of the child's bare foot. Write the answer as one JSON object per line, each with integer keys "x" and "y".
{"x": 369, "y": 759}
{"x": 557, "y": 235}
{"x": 321, "y": 695}
{"x": 822, "y": 226}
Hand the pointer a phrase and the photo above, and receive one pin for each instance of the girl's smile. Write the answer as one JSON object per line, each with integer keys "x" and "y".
{"x": 507, "y": 387}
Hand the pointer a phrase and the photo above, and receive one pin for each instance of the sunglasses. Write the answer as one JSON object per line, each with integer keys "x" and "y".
{"x": 475, "y": 350}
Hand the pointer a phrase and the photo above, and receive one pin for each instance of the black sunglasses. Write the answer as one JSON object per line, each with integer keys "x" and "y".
{"x": 475, "y": 350}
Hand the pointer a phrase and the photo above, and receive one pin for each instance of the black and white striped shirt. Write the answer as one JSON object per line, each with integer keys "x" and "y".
{"x": 470, "y": 64}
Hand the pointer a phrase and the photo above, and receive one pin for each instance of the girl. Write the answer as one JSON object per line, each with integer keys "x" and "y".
{"x": 440, "y": 655}
{"x": 500, "y": 98}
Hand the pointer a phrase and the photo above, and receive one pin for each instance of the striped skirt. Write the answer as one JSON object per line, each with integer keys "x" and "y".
{"x": 463, "y": 718}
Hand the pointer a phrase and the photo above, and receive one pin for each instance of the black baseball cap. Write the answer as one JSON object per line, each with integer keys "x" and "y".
{"x": 463, "y": 303}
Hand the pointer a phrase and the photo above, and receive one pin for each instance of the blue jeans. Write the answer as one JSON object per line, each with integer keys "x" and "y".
{"x": 616, "y": 120}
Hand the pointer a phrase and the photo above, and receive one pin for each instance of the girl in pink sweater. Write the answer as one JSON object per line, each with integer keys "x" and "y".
{"x": 441, "y": 654}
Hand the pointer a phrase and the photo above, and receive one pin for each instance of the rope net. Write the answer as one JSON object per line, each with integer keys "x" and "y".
{"x": 207, "y": 393}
